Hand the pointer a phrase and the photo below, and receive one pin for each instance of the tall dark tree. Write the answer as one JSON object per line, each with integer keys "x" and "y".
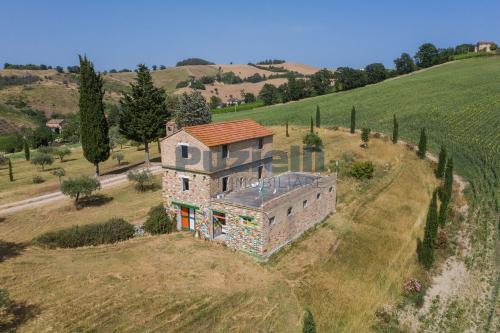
{"x": 286, "y": 129}
{"x": 144, "y": 111}
{"x": 94, "y": 126}
{"x": 312, "y": 125}
{"x": 422, "y": 144}
{"x": 309, "y": 325}
{"x": 448, "y": 179}
{"x": 441, "y": 163}
{"x": 426, "y": 248}
{"x": 375, "y": 73}
{"x": 11, "y": 173}
{"x": 365, "y": 136}
{"x": 353, "y": 120}
{"x": 443, "y": 211}
{"x": 321, "y": 81}
{"x": 404, "y": 64}
{"x": 395, "y": 130}
{"x": 269, "y": 94}
{"x": 26, "y": 149}
{"x": 318, "y": 117}
{"x": 192, "y": 109}
{"x": 427, "y": 55}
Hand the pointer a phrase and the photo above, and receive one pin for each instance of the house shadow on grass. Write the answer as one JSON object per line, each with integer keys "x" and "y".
{"x": 95, "y": 200}
{"x": 9, "y": 250}
{"x": 14, "y": 314}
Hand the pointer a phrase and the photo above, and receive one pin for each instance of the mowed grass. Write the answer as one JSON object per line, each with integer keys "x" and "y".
{"x": 353, "y": 263}
{"x": 74, "y": 165}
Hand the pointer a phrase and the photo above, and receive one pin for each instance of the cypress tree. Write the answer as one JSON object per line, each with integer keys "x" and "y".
{"x": 26, "y": 148}
{"x": 443, "y": 211}
{"x": 309, "y": 324}
{"x": 353, "y": 120}
{"x": 441, "y": 163}
{"x": 312, "y": 125}
{"x": 395, "y": 130}
{"x": 426, "y": 248}
{"x": 94, "y": 126}
{"x": 11, "y": 174}
{"x": 448, "y": 179}
{"x": 422, "y": 144}
{"x": 318, "y": 117}
{"x": 144, "y": 111}
{"x": 286, "y": 129}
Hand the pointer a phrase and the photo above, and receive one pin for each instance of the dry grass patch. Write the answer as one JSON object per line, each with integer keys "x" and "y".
{"x": 344, "y": 269}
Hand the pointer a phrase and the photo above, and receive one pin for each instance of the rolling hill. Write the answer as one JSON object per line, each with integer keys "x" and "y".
{"x": 459, "y": 105}
{"x": 58, "y": 92}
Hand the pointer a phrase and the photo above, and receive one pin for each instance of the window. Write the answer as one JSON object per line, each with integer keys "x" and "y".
{"x": 289, "y": 211}
{"x": 184, "y": 151}
{"x": 224, "y": 184}
{"x": 224, "y": 151}
{"x": 259, "y": 172}
{"x": 330, "y": 189}
{"x": 185, "y": 184}
{"x": 261, "y": 143}
{"x": 304, "y": 204}
{"x": 271, "y": 220}
{"x": 318, "y": 196}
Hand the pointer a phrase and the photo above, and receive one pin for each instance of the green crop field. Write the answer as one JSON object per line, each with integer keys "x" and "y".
{"x": 459, "y": 105}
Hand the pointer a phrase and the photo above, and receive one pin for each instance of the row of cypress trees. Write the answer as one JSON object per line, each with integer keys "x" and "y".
{"x": 426, "y": 247}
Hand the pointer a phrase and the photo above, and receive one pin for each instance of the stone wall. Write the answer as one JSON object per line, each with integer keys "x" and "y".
{"x": 242, "y": 235}
{"x": 285, "y": 228}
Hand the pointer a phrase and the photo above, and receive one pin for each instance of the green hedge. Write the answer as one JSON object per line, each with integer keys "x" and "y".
{"x": 111, "y": 231}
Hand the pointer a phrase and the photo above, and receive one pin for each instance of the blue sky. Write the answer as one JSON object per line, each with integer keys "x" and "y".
{"x": 118, "y": 34}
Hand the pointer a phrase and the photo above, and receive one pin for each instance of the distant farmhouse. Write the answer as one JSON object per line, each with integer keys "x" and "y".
{"x": 218, "y": 183}
{"x": 484, "y": 46}
{"x": 55, "y": 125}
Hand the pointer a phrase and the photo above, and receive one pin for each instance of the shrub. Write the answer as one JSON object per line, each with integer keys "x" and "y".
{"x": 42, "y": 159}
{"x": 6, "y": 315}
{"x": 313, "y": 141}
{"x": 83, "y": 185}
{"x": 37, "y": 179}
{"x": 59, "y": 173}
{"x": 309, "y": 325}
{"x": 144, "y": 180}
{"x": 45, "y": 150}
{"x": 61, "y": 152}
{"x": 361, "y": 170}
{"x": 119, "y": 157}
{"x": 111, "y": 231}
{"x": 159, "y": 222}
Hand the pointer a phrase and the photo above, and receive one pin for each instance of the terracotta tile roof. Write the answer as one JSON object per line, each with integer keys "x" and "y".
{"x": 215, "y": 134}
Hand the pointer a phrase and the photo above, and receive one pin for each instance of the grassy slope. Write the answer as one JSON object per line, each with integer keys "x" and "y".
{"x": 351, "y": 265}
{"x": 11, "y": 120}
{"x": 459, "y": 104}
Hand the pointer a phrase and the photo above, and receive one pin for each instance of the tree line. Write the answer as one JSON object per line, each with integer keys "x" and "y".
{"x": 297, "y": 88}
{"x": 426, "y": 56}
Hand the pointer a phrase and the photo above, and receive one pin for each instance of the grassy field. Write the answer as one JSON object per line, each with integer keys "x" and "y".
{"x": 353, "y": 263}
{"x": 75, "y": 164}
{"x": 459, "y": 104}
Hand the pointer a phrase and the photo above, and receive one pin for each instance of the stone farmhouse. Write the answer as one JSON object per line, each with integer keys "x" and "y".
{"x": 218, "y": 183}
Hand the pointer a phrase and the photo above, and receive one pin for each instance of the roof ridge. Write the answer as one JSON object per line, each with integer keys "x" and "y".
{"x": 222, "y": 122}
